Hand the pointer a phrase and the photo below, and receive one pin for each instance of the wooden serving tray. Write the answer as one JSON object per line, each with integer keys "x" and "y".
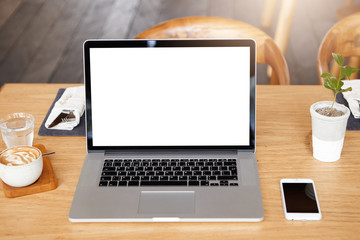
{"x": 46, "y": 182}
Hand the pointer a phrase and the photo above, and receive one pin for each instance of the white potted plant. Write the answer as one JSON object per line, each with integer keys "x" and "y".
{"x": 329, "y": 119}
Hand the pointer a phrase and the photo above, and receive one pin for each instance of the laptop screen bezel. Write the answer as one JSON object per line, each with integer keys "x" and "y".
{"x": 169, "y": 43}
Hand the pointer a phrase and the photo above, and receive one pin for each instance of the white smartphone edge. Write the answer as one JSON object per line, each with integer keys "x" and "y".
{"x": 300, "y": 216}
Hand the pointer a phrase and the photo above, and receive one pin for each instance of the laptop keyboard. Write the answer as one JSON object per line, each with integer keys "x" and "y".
{"x": 168, "y": 172}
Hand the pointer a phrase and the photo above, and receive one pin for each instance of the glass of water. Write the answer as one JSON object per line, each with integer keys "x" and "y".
{"x": 17, "y": 129}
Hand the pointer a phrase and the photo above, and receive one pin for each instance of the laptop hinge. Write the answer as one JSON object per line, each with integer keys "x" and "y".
{"x": 167, "y": 152}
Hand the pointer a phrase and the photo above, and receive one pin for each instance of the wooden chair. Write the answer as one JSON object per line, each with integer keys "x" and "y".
{"x": 216, "y": 27}
{"x": 343, "y": 38}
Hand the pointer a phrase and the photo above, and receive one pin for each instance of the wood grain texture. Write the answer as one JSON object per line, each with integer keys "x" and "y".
{"x": 283, "y": 151}
{"x": 147, "y": 15}
{"x": 27, "y": 44}
{"x": 70, "y": 67}
{"x": 120, "y": 19}
{"x": 52, "y": 49}
{"x": 7, "y": 7}
{"x": 16, "y": 24}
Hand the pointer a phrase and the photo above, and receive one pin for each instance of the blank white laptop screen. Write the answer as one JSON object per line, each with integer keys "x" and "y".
{"x": 180, "y": 96}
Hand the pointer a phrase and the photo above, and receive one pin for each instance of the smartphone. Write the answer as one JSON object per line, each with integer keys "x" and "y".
{"x": 300, "y": 199}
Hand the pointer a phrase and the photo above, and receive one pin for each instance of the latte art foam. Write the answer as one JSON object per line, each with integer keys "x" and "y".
{"x": 19, "y": 156}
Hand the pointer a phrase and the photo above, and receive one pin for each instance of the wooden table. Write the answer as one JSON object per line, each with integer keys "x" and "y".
{"x": 283, "y": 150}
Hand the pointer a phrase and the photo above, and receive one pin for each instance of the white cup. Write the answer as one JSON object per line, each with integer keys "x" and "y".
{"x": 20, "y": 166}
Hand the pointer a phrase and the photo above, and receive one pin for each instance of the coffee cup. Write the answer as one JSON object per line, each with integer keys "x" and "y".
{"x": 20, "y": 166}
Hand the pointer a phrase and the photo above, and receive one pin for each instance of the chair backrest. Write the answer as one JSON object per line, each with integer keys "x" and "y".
{"x": 217, "y": 27}
{"x": 343, "y": 38}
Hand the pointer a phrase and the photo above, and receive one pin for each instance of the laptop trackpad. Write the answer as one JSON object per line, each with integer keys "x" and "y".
{"x": 167, "y": 202}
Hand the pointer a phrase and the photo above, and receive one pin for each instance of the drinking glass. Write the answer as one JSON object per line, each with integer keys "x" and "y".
{"x": 17, "y": 129}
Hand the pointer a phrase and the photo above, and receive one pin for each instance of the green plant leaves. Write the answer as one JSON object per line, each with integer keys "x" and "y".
{"x": 333, "y": 84}
{"x": 347, "y": 71}
{"x": 327, "y": 75}
{"x": 346, "y": 90}
{"x": 339, "y": 59}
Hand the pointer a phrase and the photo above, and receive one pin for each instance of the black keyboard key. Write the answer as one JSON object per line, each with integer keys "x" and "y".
{"x": 109, "y": 169}
{"x": 164, "y": 178}
{"x": 108, "y": 173}
{"x": 214, "y": 184}
{"x": 103, "y": 183}
{"x": 135, "y": 178}
{"x": 169, "y": 173}
{"x": 213, "y": 178}
{"x": 116, "y": 178}
{"x": 164, "y": 183}
{"x": 203, "y": 178}
{"x": 139, "y": 169}
{"x": 126, "y": 178}
{"x": 173, "y": 178}
{"x": 227, "y": 173}
{"x": 159, "y": 173}
{"x": 105, "y": 178}
{"x": 149, "y": 169}
{"x": 183, "y": 178}
{"x": 113, "y": 184}
{"x": 150, "y": 173}
{"x": 129, "y": 169}
{"x": 234, "y": 184}
{"x": 194, "y": 183}
{"x": 204, "y": 183}
{"x": 206, "y": 173}
{"x": 188, "y": 173}
{"x": 154, "y": 178}
{"x": 144, "y": 178}
{"x": 227, "y": 178}
{"x": 216, "y": 173}
{"x": 133, "y": 183}
{"x": 229, "y": 163}
{"x": 122, "y": 183}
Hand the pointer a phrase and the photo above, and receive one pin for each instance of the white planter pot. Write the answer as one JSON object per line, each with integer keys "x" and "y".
{"x": 328, "y": 132}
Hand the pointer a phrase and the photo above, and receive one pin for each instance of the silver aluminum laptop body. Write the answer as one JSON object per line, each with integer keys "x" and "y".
{"x": 171, "y": 100}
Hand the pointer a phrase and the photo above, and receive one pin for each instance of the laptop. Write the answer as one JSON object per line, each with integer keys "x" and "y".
{"x": 170, "y": 132}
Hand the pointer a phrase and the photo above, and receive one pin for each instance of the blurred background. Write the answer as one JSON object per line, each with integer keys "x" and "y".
{"x": 41, "y": 40}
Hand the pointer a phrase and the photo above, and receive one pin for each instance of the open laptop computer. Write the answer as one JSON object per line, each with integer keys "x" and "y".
{"x": 170, "y": 132}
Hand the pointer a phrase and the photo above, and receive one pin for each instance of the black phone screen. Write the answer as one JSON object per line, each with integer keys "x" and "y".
{"x": 300, "y": 198}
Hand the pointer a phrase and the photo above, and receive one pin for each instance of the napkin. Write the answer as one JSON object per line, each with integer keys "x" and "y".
{"x": 73, "y": 99}
{"x": 353, "y": 97}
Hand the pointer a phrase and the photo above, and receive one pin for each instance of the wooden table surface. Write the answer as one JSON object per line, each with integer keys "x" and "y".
{"x": 283, "y": 150}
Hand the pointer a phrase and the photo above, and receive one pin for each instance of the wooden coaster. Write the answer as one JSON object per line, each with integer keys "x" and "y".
{"x": 46, "y": 182}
